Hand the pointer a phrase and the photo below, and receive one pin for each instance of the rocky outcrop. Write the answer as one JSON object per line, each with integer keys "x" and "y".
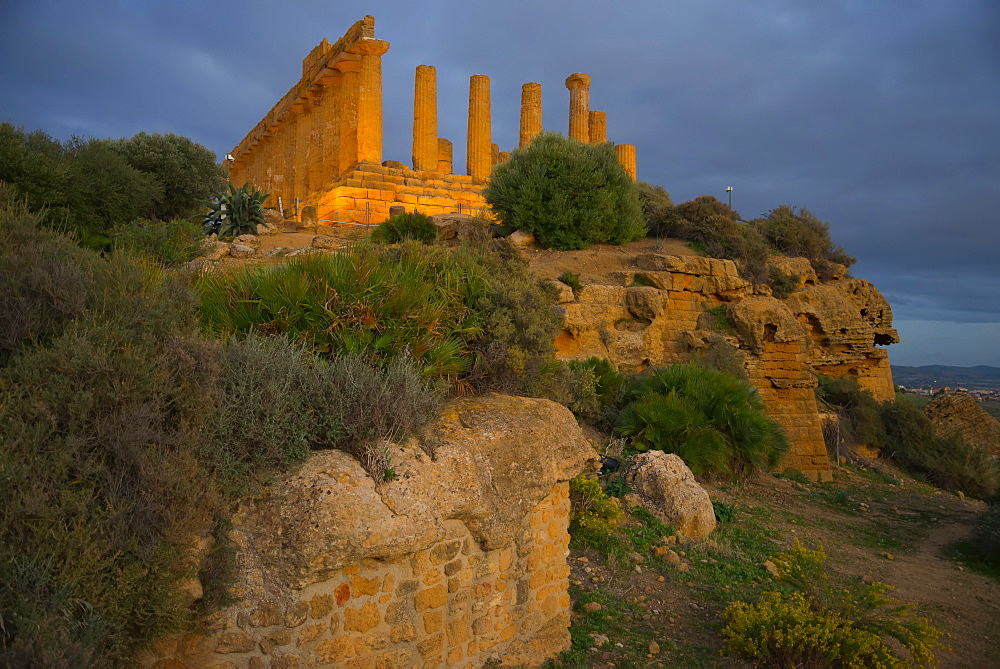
{"x": 663, "y": 485}
{"x": 458, "y": 560}
{"x": 670, "y": 308}
{"x": 959, "y": 414}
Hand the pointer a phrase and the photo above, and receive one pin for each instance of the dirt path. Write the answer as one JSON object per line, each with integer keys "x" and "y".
{"x": 964, "y": 604}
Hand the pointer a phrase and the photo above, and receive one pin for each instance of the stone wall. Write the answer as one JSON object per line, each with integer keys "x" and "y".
{"x": 460, "y": 560}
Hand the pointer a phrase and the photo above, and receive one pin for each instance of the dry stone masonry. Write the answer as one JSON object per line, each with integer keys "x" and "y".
{"x": 959, "y": 414}
{"x": 321, "y": 144}
{"x": 458, "y": 561}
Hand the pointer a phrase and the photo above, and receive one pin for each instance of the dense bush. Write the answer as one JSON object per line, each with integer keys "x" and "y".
{"x": 593, "y": 515}
{"x": 715, "y": 422}
{"x": 409, "y": 225}
{"x": 801, "y": 234}
{"x": 169, "y": 242}
{"x": 125, "y": 432}
{"x": 89, "y": 186}
{"x": 857, "y": 410}
{"x": 903, "y": 432}
{"x": 825, "y": 624}
{"x": 715, "y": 228}
{"x": 568, "y": 194}
{"x": 185, "y": 171}
{"x": 657, "y": 210}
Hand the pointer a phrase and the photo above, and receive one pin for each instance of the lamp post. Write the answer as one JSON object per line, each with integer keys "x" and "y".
{"x": 729, "y": 189}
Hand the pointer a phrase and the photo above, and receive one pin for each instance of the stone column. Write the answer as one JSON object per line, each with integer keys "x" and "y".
{"x": 348, "y": 120}
{"x": 626, "y": 156}
{"x": 331, "y": 131}
{"x": 288, "y": 131}
{"x": 303, "y": 148}
{"x": 598, "y": 127}
{"x": 494, "y": 156}
{"x": 478, "y": 158}
{"x": 531, "y": 112}
{"x": 425, "y": 126}
{"x": 444, "y": 161}
{"x": 579, "y": 106}
{"x": 370, "y": 99}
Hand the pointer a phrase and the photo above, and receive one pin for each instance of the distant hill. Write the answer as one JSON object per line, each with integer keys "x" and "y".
{"x": 982, "y": 376}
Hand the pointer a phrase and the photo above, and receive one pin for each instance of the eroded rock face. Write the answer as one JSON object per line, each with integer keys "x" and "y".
{"x": 495, "y": 458}
{"x": 959, "y": 414}
{"x": 470, "y": 545}
{"x": 664, "y": 486}
{"x": 834, "y": 327}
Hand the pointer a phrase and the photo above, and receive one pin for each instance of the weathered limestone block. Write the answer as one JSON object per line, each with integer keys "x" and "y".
{"x": 795, "y": 267}
{"x": 564, "y": 293}
{"x": 665, "y": 486}
{"x": 248, "y": 240}
{"x": 214, "y": 250}
{"x": 479, "y": 162}
{"x": 425, "y": 126}
{"x": 326, "y": 242}
{"x": 242, "y": 251}
{"x": 454, "y": 227}
{"x": 579, "y": 106}
{"x": 645, "y": 302}
{"x": 531, "y": 112}
{"x": 521, "y": 239}
{"x": 597, "y": 124}
{"x": 959, "y": 414}
{"x": 761, "y": 320}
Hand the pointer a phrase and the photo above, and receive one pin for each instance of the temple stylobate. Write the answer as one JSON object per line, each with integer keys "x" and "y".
{"x": 321, "y": 144}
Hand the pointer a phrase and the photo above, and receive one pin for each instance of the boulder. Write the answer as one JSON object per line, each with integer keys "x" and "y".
{"x": 215, "y": 250}
{"x": 242, "y": 251}
{"x": 326, "y": 242}
{"x": 248, "y": 240}
{"x": 456, "y": 227}
{"x": 564, "y": 293}
{"x": 960, "y": 415}
{"x": 521, "y": 239}
{"x": 663, "y": 485}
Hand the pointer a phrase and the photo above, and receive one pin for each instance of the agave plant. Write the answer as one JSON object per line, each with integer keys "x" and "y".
{"x": 236, "y": 211}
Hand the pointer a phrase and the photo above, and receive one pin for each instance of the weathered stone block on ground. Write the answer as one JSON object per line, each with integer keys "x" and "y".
{"x": 665, "y": 486}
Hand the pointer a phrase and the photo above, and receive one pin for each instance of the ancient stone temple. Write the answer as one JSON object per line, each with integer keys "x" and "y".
{"x": 321, "y": 144}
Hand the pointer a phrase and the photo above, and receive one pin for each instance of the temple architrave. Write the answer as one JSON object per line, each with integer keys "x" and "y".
{"x": 321, "y": 144}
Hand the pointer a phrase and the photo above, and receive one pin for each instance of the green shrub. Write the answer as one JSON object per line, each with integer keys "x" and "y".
{"x": 657, "y": 210}
{"x": 721, "y": 355}
{"x": 801, "y": 234}
{"x": 782, "y": 285}
{"x": 593, "y": 515}
{"x": 715, "y": 422}
{"x": 169, "y": 242}
{"x": 409, "y": 225}
{"x": 570, "y": 279}
{"x": 948, "y": 462}
{"x": 236, "y": 211}
{"x": 858, "y": 411}
{"x": 715, "y": 228}
{"x": 568, "y": 194}
{"x": 370, "y": 301}
{"x": 821, "y": 624}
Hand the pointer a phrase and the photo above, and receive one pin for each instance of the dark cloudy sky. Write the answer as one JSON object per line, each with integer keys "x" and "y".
{"x": 880, "y": 116}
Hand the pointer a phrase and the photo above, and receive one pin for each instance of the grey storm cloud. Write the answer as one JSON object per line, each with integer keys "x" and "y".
{"x": 880, "y": 117}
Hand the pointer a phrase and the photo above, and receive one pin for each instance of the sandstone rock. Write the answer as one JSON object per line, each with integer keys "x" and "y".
{"x": 215, "y": 250}
{"x": 274, "y": 219}
{"x": 456, "y": 227}
{"x": 248, "y": 240}
{"x": 759, "y": 320}
{"x": 240, "y": 251}
{"x": 645, "y": 302}
{"x": 564, "y": 294}
{"x": 798, "y": 267}
{"x": 959, "y": 414}
{"x": 396, "y": 210}
{"x": 308, "y": 217}
{"x": 666, "y": 487}
{"x": 326, "y": 242}
{"x": 495, "y": 458}
{"x": 520, "y": 238}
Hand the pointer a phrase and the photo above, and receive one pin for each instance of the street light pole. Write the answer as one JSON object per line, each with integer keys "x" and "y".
{"x": 729, "y": 189}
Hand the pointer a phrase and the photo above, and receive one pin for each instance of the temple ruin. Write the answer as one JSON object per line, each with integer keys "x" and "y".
{"x": 321, "y": 144}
